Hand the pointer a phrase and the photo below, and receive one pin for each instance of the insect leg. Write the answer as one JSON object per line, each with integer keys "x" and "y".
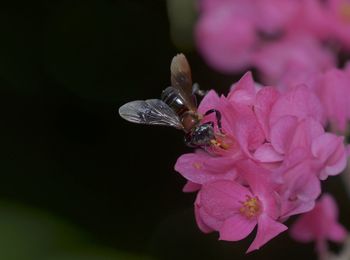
{"x": 196, "y": 90}
{"x": 217, "y": 115}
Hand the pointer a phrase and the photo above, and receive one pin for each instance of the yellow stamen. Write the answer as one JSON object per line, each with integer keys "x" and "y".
{"x": 251, "y": 207}
{"x": 197, "y": 165}
{"x": 219, "y": 143}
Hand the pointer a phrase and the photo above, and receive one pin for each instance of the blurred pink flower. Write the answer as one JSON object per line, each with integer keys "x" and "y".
{"x": 312, "y": 19}
{"x": 319, "y": 225}
{"x": 229, "y": 32}
{"x": 284, "y": 39}
{"x": 225, "y": 45}
{"x": 291, "y": 59}
{"x": 234, "y": 210}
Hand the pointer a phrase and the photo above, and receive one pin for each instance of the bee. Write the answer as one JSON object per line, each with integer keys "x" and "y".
{"x": 176, "y": 108}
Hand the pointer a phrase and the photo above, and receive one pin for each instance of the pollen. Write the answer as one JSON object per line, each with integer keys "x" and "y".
{"x": 218, "y": 143}
{"x": 251, "y": 207}
{"x": 197, "y": 165}
{"x": 345, "y": 11}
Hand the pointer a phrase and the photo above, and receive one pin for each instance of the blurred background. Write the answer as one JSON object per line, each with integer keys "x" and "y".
{"x": 78, "y": 182}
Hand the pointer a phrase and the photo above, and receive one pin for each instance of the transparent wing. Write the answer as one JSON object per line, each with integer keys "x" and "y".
{"x": 150, "y": 112}
{"x": 181, "y": 79}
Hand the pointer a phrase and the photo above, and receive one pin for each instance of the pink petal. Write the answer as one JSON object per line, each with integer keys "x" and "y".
{"x": 236, "y": 228}
{"x": 291, "y": 208}
{"x": 282, "y": 132}
{"x": 304, "y": 182}
{"x": 299, "y": 102}
{"x": 245, "y": 128}
{"x": 209, "y": 221}
{"x": 330, "y": 150}
{"x": 267, "y": 229}
{"x": 210, "y": 100}
{"x": 202, "y": 226}
{"x": 243, "y": 92}
{"x": 300, "y": 190}
{"x": 304, "y": 134}
{"x": 191, "y": 187}
{"x": 201, "y": 167}
{"x": 266, "y": 153}
{"x": 265, "y": 99}
{"x": 222, "y": 199}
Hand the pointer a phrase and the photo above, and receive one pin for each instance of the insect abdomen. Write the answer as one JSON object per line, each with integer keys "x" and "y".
{"x": 173, "y": 99}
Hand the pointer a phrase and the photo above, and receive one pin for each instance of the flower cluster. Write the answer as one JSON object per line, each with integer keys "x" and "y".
{"x": 266, "y": 165}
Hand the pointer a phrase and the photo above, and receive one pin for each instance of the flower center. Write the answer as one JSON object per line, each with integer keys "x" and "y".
{"x": 220, "y": 141}
{"x": 345, "y": 11}
{"x": 251, "y": 207}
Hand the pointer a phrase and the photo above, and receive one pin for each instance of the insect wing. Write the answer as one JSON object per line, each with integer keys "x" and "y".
{"x": 150, "y": 112}
{"x": 181, "y": 79}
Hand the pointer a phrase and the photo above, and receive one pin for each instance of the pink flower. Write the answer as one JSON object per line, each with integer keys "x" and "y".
{"x": 234, "y": 210}
{"x": 266, "y": 166}
{"x": 319, "y": 225}
{"x": 291, "y": 59}
{"x": 224, "y": 45}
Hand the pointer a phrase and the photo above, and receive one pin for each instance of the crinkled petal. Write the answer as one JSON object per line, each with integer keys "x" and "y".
{"x": 266, "y": 153}
{"x": 282, "y": 132}
{"x": 299, "y": 102}
{"x": 265, "y": 99}
{"x": 330, "y": 150}
{"x": 291, "y": 208}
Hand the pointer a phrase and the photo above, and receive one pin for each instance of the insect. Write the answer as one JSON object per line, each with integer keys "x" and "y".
{"x": 177, "y": 108}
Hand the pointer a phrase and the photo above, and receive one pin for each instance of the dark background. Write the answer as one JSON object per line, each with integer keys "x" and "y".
{"x": 65, "y": 68}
